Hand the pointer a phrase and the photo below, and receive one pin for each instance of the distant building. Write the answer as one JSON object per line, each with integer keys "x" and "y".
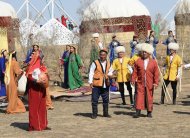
{"x": 124, "y": 18}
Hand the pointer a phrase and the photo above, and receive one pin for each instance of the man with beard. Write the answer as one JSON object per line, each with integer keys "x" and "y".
{"x": 146, "y": 77}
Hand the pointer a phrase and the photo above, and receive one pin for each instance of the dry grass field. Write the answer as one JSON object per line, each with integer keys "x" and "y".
{"x": 72, "y": 119}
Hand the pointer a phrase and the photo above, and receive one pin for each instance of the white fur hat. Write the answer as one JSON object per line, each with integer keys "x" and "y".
{"x": 120, "y": 49}
{"x": 173, "y": 46}
{"x": 95, "y": 35}
{"x": 147, "y": 48}
{"x": 138, "y": 47}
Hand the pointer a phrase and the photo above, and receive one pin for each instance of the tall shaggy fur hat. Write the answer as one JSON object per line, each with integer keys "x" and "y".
{"x": 95, "y": 35}
{"x": 120, "y": 49}
{"x": 138, "y": 47}
{"x": 173, "y": 46}
{"x": 147, "y": 48}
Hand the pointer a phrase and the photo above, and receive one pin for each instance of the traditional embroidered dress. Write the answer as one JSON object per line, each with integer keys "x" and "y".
{"x": 74, "y": 77}
{"x": 36, "y": 98}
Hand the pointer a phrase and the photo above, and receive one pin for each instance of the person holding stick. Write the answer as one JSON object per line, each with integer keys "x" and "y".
{"x": 132, "y": 63}
{"x": 146, "y": 76}
{"x": 173, "y": 71}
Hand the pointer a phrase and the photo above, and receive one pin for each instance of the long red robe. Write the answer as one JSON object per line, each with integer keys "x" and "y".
{"x": 37, "y": 100}
{"x": 145, "y": 87}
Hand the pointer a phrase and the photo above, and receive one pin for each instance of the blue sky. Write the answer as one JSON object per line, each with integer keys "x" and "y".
{"x": 71, "y": 6}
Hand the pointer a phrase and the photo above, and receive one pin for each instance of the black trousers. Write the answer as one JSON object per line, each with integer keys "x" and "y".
{"x": 174, "y": 87}
{"x": 129, "y": 88}
{"x": 97, "y": 92}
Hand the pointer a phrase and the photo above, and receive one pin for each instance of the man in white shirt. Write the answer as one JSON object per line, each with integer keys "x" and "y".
{"x": 99, "y": 82}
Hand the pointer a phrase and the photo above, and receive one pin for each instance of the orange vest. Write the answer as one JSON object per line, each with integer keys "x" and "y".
{"x": 99, "y": 75}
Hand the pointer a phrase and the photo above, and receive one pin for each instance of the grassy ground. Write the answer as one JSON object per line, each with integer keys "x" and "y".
{"x": 72, "y": 119}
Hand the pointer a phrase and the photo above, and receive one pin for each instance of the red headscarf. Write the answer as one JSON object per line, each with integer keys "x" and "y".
{"x": 34, "y": 63}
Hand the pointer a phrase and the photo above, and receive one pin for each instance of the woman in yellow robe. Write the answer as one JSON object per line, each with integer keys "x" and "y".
{"x": 15, "y": 105}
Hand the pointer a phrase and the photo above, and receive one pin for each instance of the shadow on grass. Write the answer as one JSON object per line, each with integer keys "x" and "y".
{"x": 185, "y": 103}
{"x": 182, "y": 113}
{"x": 23, "y": 126}
{"x": 124, "y": 113}
{"x": 121, "y": 107}
{"x": 188, "y": 96}
{"x": 127, "y": 113}
{"x": 88, "y": 115}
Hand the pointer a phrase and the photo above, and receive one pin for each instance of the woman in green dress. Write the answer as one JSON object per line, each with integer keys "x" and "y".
{"x": 75, "y": 63}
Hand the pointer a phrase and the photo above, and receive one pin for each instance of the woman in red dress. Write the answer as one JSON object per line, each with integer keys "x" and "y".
{"x": 37, "y": 94}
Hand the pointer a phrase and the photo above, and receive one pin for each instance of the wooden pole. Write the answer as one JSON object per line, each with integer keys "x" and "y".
{"x": 180, "y": 81}
{"x": 164, "y": 84}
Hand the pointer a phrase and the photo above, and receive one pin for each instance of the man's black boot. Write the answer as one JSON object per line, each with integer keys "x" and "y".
{"x": 105, "y": 111}
{"x": 149, "y": 114}
{"x": 94, "y": 111}
{"x": 137, "y": 114}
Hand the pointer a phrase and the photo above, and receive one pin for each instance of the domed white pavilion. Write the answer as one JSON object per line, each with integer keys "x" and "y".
{"x": 7, "y": 10}
{"x": 8, "y": 26}
{"x": 124, "y": 18}
{"x": 116, "y": 8}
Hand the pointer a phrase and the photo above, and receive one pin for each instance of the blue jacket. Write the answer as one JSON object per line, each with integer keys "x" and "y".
{"x": 112, "y": 47}
{"x": 167, "y": 41}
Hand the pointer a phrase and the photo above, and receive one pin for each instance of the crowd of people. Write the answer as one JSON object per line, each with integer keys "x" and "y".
{"x": 37, "y": 87}
{"x": 141, "y": 71}
{"x": 110, "y": 70}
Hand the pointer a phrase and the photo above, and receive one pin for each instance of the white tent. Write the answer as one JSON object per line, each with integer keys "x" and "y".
{"x": 54, "y": 33}
{"x": 27, "y": 27}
